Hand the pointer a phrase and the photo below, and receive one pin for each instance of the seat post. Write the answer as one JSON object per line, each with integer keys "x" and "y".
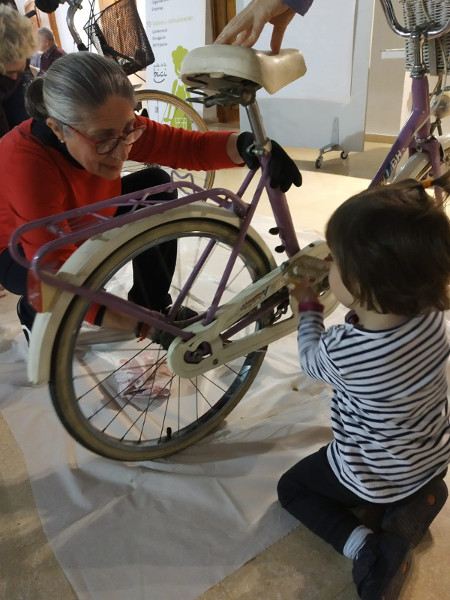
{"x": 256, "y": 123}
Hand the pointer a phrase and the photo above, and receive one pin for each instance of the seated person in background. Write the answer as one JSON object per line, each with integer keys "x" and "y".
{"x": 50, "y": 51}
{"x": 16, "y": 45}
{"x": 71, "y": 154}
{"x": 35, "y": 62}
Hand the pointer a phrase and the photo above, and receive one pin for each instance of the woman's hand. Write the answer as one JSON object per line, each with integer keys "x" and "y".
{"x": 283, "y": 172}
{"x": 247, "y": 25}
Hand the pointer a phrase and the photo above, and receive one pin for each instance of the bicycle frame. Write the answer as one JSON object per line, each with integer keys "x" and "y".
{"x": 211, "y": 329}
{"x": 415, "y": 136}
{"x": 218, "y": 317}
{"x": 112, "y": 391}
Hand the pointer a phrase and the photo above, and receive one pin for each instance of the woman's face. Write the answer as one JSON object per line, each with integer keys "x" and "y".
{"x": 15, "y": 69}
{"x": 113, "y": 119}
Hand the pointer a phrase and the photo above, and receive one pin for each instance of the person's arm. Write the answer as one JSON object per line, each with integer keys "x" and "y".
{"x": 246, "y": 27}
{"x": 182, "y": 149}
{"x": 202, "y": 151}
{"x": 29, "y": 199}
{"x": 311, "y": 335}
{"x": 300, "y": 6}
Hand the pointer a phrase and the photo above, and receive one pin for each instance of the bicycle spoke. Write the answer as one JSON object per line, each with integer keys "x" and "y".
{"x": 121, "y": 399}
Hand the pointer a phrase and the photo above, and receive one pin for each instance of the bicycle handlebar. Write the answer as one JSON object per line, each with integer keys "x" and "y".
{"x": 49, "y": 6}
{"x": 393, "y": 23}
{"x": 74, "y": 5}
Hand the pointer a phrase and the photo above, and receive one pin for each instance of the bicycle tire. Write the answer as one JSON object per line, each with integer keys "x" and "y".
{"x": 171, "y": 110}
{"x": 121, "y": 428}
{"x": 427, "y": 171}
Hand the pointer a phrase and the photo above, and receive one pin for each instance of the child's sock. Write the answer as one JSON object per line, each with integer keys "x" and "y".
{"x": 356, "y": 541}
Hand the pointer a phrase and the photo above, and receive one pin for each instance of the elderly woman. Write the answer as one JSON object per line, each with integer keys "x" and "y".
{"x": 16, "y": 45}
{"x": 71, "y": 154}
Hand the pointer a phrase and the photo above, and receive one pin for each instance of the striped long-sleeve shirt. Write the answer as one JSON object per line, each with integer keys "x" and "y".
{"x": 389, "y": 409}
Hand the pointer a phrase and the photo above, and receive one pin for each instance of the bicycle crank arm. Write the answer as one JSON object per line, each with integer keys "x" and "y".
{"x": 207, "y": 349}
{"x": 181, "y": 355}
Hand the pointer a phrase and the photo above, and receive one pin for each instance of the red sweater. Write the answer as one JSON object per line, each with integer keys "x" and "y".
{"x": 37, "y": 180}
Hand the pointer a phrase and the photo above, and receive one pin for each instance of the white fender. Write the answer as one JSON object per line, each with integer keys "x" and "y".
{"x": 417, "y": 162}
{"x": 88, "y": 257}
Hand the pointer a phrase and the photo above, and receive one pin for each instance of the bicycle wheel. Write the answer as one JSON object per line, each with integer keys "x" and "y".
{"x": 117, "y": 397}
{"x": 171, "y": 110}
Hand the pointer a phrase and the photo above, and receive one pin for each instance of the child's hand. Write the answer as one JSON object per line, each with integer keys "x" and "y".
{"x": 301, "y": 291}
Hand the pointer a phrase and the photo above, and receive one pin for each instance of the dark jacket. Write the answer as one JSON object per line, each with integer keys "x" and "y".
{"x": 49, "y": 57}
{"x": 12, "y": 102}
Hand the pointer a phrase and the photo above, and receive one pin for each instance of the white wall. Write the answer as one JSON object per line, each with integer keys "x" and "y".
{"x": 386, "y": 78}
{"x": 310, "y": 120}
{"x": 387, "y": 89}
{"x": 81, "y": 17}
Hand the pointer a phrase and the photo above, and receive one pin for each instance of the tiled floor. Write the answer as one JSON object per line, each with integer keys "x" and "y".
{"x": 297, "y": 567}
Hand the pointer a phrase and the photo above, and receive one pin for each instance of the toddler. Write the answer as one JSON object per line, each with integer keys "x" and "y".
{"x": 390, "y": 265}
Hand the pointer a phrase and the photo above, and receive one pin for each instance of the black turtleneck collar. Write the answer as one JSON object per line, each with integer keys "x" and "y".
{"x": 8, "y": 85}
{"x": 45, "y": 135}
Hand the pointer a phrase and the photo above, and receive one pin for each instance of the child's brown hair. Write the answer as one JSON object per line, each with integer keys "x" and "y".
{"x": 392, "y": 248}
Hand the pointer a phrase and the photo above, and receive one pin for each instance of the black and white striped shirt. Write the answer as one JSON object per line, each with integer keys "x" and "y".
{"x": 389, "y": 410}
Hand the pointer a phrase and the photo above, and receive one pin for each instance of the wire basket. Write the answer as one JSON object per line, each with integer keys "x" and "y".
{"x": 436, "y": 52}
{"x": 117, "y": 32}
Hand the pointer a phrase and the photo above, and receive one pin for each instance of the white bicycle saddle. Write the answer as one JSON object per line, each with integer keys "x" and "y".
{"x": 215, "y": 64}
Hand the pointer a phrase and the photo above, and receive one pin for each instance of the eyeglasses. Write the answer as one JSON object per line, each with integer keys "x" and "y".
{"x": 109, "y": 144}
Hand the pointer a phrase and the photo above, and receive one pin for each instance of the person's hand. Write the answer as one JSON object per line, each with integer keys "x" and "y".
{"x": 283, "y": 171}
{"x": 246, "y": 27}
{"x": 300, "y": 290}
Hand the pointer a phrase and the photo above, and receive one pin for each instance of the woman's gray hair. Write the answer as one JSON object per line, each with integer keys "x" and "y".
{"x": 75, "y": 87}
{"x": 16, "y": 37}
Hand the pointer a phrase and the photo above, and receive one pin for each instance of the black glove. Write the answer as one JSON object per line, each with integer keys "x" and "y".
{"x": 283, "y": 171}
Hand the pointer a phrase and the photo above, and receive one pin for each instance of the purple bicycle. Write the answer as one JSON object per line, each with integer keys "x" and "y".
{"x": 128, "y": 399}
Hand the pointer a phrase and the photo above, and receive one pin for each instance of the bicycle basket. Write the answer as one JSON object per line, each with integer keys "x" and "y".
{"x": 117, "y": 32}
{"x": 435, "y": 52}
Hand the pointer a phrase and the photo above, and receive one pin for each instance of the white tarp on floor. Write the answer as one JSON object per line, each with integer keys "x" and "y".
{"x": 170, "y": 529}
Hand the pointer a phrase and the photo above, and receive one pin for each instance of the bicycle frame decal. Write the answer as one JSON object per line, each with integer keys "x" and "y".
{"x": 414, "y": 136}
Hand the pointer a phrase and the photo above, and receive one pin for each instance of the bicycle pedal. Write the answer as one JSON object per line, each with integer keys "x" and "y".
{"x": 305, "y": 266}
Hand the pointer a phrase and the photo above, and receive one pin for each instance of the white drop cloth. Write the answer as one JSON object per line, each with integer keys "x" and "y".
{"x": 165, "y": 530}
